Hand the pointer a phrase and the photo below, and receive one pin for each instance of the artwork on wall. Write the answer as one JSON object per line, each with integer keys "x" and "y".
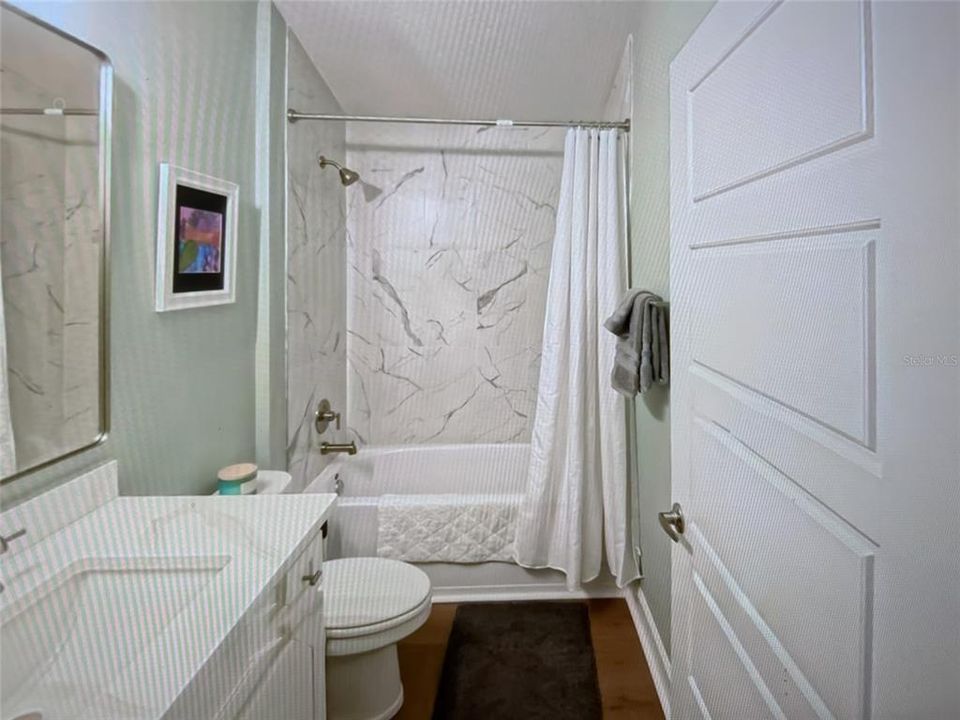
{"x": 196, "y": 240}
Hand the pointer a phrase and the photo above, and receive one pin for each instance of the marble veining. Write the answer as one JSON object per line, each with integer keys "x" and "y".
{"x": 448, "y": 249}
{"x": 242, "y": 544}
{"x": 50, "y": 242}
{"x": 316, "y": 269}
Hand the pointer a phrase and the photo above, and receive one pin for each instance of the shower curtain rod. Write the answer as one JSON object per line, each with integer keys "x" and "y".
{"x": 294, "y": 116}
{"x": 50, "y": 111}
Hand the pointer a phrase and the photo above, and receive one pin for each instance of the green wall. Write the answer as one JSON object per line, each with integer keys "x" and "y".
{"x": 182, "y": 383}
{"x": 662, "y": 29}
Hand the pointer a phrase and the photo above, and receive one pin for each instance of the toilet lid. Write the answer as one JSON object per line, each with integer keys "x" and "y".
{"x": 368, "y": 591}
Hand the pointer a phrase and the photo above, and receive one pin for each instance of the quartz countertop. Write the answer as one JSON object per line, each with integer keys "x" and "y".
{"x": 252, "y": 540}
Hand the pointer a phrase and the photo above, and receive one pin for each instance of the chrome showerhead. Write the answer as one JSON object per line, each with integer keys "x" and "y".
{"x": 347, "y": 176}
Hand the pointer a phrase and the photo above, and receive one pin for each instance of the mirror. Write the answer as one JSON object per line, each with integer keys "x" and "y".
{"x": 54, "y": 159}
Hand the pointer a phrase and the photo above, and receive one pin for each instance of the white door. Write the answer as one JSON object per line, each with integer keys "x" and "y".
{"x": 815, "y": 295}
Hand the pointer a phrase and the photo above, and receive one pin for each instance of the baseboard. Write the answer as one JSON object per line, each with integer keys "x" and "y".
{"x": 520, "y": 593}
{"x": 657, "y": 659}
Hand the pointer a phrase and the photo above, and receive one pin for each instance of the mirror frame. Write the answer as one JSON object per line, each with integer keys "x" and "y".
{"x": 105, "y": 137}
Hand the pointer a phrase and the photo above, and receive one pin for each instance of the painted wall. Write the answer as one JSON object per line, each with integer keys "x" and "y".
{"x": 662, "y": 29}
{"x": 449, "y": 240}
{"x": 316, "y": 267}
{"x": 182, "y": 383}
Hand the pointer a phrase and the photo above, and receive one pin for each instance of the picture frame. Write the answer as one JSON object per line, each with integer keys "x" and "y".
{"x": 196, "y": 240}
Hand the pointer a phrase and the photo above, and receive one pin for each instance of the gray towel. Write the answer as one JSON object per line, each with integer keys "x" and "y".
{"x": 642, "y": 356}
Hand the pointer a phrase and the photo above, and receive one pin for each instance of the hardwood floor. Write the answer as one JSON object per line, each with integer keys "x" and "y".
{"x": 626, "y": 686}
{"x": 421, "y": 659}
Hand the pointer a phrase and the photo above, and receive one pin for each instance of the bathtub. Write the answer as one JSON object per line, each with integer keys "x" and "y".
{"x": 360, "y": 480}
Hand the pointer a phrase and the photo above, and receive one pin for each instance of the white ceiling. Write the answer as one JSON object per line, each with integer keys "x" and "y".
{"x": 523, "y": 60}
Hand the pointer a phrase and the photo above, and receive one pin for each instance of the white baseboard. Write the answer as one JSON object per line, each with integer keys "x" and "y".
{"x": 520, "y": 593}
{"x": 657, "y": 659}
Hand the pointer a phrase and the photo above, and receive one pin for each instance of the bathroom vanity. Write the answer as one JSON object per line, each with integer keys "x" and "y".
{"x": 182, "y": 608}
{"x": 162, "y": 607}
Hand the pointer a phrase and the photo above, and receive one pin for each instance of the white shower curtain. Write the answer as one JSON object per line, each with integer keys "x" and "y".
{"x": 8, "y": 457}
{"x": 578, "y": 500}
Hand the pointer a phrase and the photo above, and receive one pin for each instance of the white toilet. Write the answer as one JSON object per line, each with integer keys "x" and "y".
{"x": 369, "y": 604}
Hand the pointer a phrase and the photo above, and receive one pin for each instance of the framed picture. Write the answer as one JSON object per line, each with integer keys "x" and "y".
{"x": 196, "y": 240}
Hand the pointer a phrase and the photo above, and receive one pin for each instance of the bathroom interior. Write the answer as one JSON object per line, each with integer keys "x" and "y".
{"x": 479, "y": 359}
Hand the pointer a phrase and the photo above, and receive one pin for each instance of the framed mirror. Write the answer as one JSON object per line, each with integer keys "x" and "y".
{"x": 55, "y": 110}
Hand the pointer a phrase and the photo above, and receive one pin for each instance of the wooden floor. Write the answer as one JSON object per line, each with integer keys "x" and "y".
{"x": 626, "y": 687}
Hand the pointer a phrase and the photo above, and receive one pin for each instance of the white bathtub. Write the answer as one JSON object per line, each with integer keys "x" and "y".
{"x": 438, "y": 469}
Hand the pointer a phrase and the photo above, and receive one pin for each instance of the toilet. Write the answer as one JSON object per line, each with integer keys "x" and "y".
{"x": 369, "y": 605}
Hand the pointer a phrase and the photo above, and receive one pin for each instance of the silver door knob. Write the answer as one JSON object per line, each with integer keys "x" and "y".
{"x": 672, "y": 522}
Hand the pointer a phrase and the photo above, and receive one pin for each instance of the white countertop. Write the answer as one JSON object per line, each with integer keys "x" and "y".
{"x": 254, "y": 538}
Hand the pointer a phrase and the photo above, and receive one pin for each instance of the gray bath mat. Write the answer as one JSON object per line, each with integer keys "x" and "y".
{"x": 519, "y": 661}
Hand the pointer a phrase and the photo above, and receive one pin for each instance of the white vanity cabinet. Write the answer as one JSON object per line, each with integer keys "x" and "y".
{"x": 286, "y": 690}
{"x": 174, "y": 608}
{"x": 272, "y": 664}
{"x": 285, "y": 677}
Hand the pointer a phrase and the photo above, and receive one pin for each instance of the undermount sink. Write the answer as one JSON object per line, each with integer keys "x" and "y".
{"x": 64, "y": 644}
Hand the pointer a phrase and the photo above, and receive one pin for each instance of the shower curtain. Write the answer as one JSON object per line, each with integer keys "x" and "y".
{"x": 578, "y": 502}
{"x": 8, "y": 457}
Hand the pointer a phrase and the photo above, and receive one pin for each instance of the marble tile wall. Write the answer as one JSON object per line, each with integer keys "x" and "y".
{"x": 50, "y": 239}
{"x": 449, "y": 237}
{"x": 316, "y": 268}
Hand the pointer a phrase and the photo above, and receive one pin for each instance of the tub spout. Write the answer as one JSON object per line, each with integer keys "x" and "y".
{"x": 349, "y": 448}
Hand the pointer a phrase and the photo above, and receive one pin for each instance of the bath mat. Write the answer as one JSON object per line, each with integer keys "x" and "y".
{"x": 519, "y": 661}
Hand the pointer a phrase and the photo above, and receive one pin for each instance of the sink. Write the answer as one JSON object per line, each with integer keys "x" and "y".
{"x": 63, "y": 644}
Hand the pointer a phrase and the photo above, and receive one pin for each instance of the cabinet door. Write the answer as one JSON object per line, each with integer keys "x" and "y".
{"x": 286, "y": 690}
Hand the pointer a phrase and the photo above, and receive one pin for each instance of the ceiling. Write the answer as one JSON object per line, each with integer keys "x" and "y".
{"x": 523, "y": 60}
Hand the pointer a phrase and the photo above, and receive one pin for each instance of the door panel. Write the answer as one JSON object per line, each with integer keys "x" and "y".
{"x": 825, "y": 572}
{"x": 814, "y": 269}
{"x": 788, "y": 329}
{"x": 739, "y": 691}
{"x": 286, "y": 690}
{"x": 820, "y": 54}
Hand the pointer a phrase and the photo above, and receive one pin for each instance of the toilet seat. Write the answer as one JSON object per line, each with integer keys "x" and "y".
{"x": 370, "y": 603}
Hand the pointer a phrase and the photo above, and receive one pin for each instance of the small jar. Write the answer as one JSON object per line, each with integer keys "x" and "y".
{"x": 230, "y": 480}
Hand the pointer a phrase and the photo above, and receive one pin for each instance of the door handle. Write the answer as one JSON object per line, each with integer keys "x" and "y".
{"x": 672, "y": 522}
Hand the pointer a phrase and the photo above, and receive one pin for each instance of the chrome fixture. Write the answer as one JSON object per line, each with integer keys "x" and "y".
{"x": 347, "y": 176}
{"x": 48, "y": 111}
{"x": 349, "y": 448}
{"x": 314, "y": 578}
{"x": 324, "y": 415}
{"x": 295, "y": 115}
{"x": 6, "y": 540}
{"x": 672, "y": 522}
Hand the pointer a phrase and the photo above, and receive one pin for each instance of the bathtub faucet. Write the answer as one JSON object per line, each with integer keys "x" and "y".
{"x": 349, "y": 448}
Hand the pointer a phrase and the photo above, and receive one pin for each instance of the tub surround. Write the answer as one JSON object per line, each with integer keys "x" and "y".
{"x": 449, "y": 242}
{"x": 316, "y": 269}
{"x": 219, "y": 556}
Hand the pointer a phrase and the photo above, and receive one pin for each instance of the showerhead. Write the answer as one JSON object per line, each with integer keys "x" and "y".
{"x": 347, "y": 176}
